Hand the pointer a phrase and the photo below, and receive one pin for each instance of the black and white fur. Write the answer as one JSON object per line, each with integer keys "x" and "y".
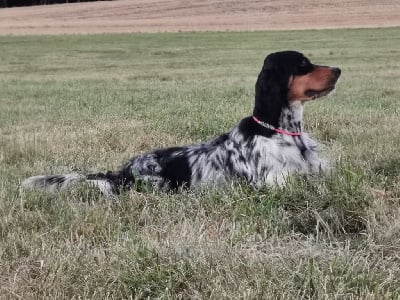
{"x": 249, "y": 151}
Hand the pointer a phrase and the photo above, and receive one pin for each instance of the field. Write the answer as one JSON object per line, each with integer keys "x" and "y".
{"x": 197, "y": 15}
{"x": 88, "y": 103}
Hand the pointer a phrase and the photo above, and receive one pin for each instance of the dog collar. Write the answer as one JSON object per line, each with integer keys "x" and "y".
{"x": 270, "y": 127}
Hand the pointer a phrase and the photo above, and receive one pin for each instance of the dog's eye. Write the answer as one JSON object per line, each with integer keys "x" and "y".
{"x": 304, "y": 63}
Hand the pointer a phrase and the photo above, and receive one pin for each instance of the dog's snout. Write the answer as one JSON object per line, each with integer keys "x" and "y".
{"x": 336, "y": 72}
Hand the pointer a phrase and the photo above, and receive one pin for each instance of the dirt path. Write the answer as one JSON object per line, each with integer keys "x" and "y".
{"x": 197, "y": 15}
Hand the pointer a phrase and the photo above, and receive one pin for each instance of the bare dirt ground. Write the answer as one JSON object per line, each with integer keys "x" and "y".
{"x": 197, "y": 15}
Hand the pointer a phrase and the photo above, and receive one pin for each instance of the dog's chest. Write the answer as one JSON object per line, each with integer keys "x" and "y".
{"x": 271, "y": 160}
{"x": 258, "y": 160}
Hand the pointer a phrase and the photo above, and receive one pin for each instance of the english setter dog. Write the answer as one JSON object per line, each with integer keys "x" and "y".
{"x": 263, "y": 149}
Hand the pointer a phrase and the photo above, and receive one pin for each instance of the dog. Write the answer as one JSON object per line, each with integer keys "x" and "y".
{"x": 263, "y": 149}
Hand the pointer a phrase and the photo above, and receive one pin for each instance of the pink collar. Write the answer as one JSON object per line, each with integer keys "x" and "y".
{"x": 268, "y": 126}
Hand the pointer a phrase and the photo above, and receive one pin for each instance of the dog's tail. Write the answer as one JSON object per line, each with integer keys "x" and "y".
{"x": 109, "y": 184}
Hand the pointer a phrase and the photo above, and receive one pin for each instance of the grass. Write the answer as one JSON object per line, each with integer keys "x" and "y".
{"x": 88, "y": 103}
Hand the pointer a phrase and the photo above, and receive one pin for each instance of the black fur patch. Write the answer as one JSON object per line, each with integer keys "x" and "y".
{"x": 175, "y": 167}
{"x": 249, "y": 128}
{"x": 55, "y": 179}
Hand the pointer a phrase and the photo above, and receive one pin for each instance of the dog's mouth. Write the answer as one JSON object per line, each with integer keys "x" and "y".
{"x": 314, "y": 94}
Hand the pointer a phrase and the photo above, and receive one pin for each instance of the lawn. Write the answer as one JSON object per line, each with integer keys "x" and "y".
{"x": 89, "y": 102}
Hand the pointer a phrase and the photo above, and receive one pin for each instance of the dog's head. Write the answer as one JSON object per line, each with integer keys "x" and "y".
{"x": 289, "y": 76}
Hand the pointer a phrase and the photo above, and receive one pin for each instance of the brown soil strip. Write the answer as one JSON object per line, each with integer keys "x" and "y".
{"x": 197, "y": 15}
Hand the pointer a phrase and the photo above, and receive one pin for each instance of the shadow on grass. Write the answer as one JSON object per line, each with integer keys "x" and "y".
{"x": 334, "y": 204}
{"x": 389, "y": 167}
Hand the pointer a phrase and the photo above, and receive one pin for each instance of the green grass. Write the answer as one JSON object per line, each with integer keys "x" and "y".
{"x": 88, "y": 103}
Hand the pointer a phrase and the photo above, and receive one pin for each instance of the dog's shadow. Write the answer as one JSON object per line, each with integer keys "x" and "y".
{"x": 389, "y": 168}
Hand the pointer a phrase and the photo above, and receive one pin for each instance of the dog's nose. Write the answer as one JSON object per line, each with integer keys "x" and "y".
{"x": 336, "y": 72}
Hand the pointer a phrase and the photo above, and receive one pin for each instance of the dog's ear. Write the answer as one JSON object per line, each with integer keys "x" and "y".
{"x": 271, "y": 92}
